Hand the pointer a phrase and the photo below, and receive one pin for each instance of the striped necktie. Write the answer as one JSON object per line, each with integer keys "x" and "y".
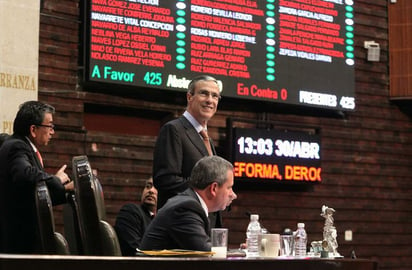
{"x": 206, "y": 141}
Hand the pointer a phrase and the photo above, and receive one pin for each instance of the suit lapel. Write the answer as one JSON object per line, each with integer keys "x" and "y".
{"x": 36, "y": 159}
{"x": 194, "y": 137}
{"x": 192, "y": 193}
{"x": 33, "y": 154}
{"x": 213, "y": 146}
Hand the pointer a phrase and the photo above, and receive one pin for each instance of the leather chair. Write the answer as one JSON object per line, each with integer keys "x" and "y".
{"x": 71, "y": 225}
{"x": 93, "y": 234}
{"x": 51, "y": 242}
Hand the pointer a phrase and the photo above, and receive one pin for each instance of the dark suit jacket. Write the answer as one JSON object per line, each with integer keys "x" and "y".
{"x": 180, "y": 224}
{"x": 178, "y": 148}
{"x": 20, "y": 171}
{"x": 131, "y": 223}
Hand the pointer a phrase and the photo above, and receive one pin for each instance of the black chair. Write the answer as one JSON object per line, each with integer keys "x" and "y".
{"x": 92, "y": 233}
{"x": 51, "y": 242}
{"x": 71, "y": 225}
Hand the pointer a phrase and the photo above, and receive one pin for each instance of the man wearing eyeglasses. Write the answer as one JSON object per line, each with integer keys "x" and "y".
{"x": 21, "y": 170}
{"x": 180, "y": 143}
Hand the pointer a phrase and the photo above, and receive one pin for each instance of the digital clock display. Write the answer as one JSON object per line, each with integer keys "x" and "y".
{"x": 271, "y": 155}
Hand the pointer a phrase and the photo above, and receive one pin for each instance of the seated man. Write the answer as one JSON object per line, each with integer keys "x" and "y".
{"x": 133, "y": 219}
{"x": 182, "y": 223}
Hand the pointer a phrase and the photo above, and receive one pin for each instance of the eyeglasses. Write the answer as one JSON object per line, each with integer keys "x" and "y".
{"x": 51, "y": 126}
{"x": 206, "y": 94}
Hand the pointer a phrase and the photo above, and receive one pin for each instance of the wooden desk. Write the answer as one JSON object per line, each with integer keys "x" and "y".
{"x": 44, "y": 262}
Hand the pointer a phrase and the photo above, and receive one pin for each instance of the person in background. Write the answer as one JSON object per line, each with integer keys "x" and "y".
{"x": 182, "y": 223}
{"x": 133, "y": 219}
{"x": 21, "y": 169}
{"x": 180, "y": 145}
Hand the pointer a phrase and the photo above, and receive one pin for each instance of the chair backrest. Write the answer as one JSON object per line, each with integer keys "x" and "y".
{"x": 51, "y": 242}
{"x": 71, "y": 225}
{"x": 97, "y": 236}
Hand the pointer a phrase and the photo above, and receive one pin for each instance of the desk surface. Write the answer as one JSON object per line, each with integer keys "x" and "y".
{"x": 53, "y": 262}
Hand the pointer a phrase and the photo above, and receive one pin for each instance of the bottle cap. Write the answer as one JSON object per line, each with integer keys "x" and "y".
{"x": 287, "y": 231}
{"x": 254, "y": 217}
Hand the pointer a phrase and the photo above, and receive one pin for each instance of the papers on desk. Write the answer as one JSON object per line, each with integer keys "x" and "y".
{"x": 174, "y": 252}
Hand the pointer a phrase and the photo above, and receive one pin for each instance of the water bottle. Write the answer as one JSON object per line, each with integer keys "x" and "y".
{"x": 253, "y": 230}
{"x": 300, "y": 240}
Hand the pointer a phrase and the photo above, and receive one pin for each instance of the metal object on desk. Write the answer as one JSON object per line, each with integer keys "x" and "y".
{"x": 286, "y": 243}
{"x": 329, "y": 243}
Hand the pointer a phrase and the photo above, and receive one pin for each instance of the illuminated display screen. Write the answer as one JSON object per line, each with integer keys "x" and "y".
{"x": 276, "y": 156}
{"x": 286, "y": 51}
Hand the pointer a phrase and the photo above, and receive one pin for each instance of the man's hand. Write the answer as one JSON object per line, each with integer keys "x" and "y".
{"x": 64, "y": 178}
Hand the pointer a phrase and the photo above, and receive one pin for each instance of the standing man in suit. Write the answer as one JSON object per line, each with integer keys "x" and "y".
{"x": 133, "y": 219}
{"x": 179, "y": 144}
{"x": 182, "y": 223}
{"x": 21, "y": 170}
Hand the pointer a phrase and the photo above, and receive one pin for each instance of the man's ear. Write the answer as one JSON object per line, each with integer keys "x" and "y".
{"x": 213, "y": 189}
{"x": 32, "y": 129}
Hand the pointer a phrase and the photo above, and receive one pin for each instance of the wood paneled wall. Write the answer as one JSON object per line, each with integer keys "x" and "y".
{"x": 367, "y": 154}
{"x": 400, "y": 37}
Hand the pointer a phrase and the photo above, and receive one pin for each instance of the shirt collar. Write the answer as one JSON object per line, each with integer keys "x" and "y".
{"x": 146, "y": 208}
{"x": 193, "y": 121}
{"x": 32, "y": 145}
{"x": 202, "y": 202}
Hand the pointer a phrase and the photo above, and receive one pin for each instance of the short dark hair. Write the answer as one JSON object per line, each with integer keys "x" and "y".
{"x": 209, "y": 169}
{"x": 30, "y": 113}
{"x": 192, "y": 84}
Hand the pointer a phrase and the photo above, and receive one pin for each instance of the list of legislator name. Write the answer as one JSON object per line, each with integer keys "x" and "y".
{"x": 291, "y": 51}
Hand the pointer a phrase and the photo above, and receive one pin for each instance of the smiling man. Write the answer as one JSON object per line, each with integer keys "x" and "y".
{"x": 21, "y": 170}
{"x": 133, "y": 219}
{"x": 180, "y": 143}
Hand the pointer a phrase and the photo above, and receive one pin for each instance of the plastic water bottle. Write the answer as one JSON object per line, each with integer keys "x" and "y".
{"x": 253, "y": 230}
{"x": 301, "y": 240}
